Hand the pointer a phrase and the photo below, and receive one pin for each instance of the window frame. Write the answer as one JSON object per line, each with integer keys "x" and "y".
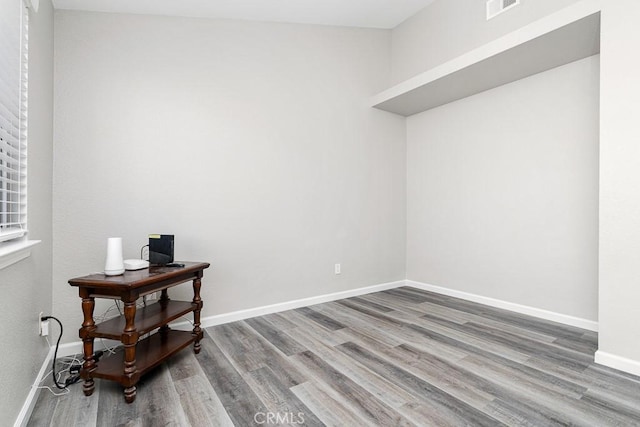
{"x": 14, "y": 245}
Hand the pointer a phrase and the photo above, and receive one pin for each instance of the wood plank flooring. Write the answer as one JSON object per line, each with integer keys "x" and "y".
{"x": 402, "y": 357}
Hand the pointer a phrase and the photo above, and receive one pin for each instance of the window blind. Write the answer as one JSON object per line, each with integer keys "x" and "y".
{"x": 13, "y": 119}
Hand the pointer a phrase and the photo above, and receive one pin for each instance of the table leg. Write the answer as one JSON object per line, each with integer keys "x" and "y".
{"x": 88, "y": 325}
{"x": 197, "y": 332}
{"x": 129, "y": 341}
{"x": 164, "y": 298}
{"x": 164, "y": 301}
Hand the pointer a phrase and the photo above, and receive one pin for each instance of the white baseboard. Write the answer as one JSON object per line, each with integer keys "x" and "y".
{"x": 76, "y": 347}
{"x": 32, "y": 397}
{"x": 73, "y": 348}
{"x": 617, "y": 362}
{"x": 289, "y": 305}
{"x": 518, "y": 308}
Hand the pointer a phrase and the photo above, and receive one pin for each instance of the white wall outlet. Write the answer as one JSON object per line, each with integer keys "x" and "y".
{"x": 43, "y": 326}
{"x": 336, "y": 269}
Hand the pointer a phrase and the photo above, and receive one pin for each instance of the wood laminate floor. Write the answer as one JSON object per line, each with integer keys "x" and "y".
{"x": 393, "y": 358}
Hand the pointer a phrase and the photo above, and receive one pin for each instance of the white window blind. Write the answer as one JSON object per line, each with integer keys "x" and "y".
{"x": 13, "y": 119}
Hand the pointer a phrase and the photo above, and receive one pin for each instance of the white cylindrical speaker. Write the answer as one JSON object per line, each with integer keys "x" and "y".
{"x": 114, "y": 265}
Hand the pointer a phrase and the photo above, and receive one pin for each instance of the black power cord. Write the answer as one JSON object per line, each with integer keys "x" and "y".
{"x": 70, "y": 380}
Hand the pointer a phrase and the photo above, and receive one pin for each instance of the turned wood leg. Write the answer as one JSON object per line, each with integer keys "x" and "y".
{"x": 197, "y": 332}
{"x": 88, "y": 325}
{"x": 164, "y": 331}
{"x": 130, "y": 394}
{"x": 164, "y": 298}
{"x": 129, "y": 341}
{"x": 164, "y": 301}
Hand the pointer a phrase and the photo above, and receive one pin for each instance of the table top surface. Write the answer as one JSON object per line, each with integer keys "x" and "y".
{"x": 136, "y": 278}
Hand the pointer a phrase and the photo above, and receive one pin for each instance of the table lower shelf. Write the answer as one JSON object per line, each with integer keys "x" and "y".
{"x": 150, "y": 352}
{"x": 146, "y": 319}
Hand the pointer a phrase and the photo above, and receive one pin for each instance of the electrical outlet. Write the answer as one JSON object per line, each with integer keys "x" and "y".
{"x": 336, "y": 269}
{"x": 43, "y": 326}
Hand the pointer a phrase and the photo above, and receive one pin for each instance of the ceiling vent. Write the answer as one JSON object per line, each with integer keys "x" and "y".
{"x": 496, "y": 7}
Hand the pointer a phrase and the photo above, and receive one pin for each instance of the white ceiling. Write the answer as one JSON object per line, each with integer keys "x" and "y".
{"x": 351, "y": 13}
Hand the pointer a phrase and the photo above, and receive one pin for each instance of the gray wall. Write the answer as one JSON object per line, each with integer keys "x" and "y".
{"x": 503, "y": 192}
{"x": 502, "y": 186}
{"x": 253, "y": 143}
{"x": 26, "y": 285}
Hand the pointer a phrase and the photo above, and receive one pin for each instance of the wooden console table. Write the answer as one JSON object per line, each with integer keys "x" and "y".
{"x": 139, "y": 356}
